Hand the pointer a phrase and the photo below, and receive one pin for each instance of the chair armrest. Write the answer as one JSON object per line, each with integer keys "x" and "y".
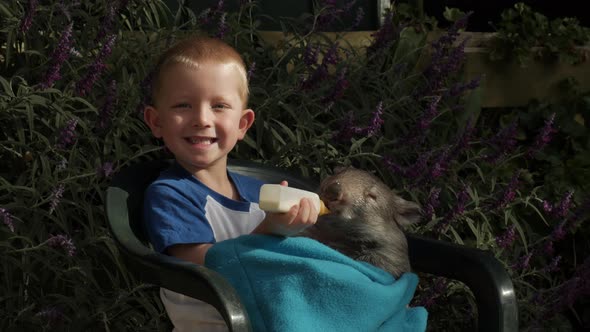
{"x": 479, "y": 270}
{"x": 171, "y": 273}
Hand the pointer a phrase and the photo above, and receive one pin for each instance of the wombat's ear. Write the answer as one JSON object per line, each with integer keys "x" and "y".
{"x": 406, "y": 212}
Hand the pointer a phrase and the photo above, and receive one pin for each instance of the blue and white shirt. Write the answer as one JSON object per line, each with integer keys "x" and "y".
{"x": 180, "y": 209}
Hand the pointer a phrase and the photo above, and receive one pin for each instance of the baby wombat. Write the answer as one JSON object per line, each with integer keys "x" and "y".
{"x": 365, "y": 220}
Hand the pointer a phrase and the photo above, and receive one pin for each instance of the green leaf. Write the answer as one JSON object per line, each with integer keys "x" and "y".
{"x": 409, "y": 46}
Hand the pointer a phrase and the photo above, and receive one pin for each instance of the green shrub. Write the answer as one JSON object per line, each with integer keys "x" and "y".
{"x": 74, "y": 79}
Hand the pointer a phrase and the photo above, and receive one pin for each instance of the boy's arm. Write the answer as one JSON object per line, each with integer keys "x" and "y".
{"x": 297, "y": 219}
{"x": 191, "y": 252}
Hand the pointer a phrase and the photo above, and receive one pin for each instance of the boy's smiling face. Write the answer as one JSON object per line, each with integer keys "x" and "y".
{"x": 199, "y": 113}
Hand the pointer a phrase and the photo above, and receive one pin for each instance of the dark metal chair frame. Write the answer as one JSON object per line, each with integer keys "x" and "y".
{"x": 479, "y": 270}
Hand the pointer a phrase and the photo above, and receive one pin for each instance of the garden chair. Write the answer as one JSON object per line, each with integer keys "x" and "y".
{"x": 477, "y": 269}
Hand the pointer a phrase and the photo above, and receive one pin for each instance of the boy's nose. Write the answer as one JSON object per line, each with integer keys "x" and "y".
{"x": 202, "y": 117}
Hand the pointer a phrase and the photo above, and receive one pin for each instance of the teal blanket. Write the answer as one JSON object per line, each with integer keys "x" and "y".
{"x": 299, "y": 284}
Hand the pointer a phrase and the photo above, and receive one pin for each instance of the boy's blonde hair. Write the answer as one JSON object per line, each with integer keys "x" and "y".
{"x": 193, "y": 51}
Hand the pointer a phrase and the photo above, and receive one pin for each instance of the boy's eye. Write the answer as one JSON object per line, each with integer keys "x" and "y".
{"x": 220, "y": 106}
{"x": 182, "y": 105}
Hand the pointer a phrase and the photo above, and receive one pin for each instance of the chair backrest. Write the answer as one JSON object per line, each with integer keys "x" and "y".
{"x": 478, "y": 269}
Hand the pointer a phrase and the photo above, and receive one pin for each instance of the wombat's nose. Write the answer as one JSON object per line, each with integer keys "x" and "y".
{"x": 332, "y": 192}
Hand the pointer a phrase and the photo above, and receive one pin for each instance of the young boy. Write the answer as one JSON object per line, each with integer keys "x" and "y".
{"x": 200, "y": 95}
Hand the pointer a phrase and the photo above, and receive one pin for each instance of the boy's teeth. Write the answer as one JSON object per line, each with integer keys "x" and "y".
{"x": 196, "y": 140}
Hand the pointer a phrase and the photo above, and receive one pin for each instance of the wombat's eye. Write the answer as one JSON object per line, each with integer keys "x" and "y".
{"x": 332, "y": 191}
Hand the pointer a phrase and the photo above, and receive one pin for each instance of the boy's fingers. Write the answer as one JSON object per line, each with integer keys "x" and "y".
{"x": 292, "y": 214}
{"x": 307, "y": 214}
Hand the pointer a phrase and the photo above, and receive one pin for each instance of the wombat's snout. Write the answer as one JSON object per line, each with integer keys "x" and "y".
{"x": 332, "y": 192}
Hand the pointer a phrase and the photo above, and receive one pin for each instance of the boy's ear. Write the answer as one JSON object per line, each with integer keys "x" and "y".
{"x": 152, "y": 119}
{"x": 246, "y": 122}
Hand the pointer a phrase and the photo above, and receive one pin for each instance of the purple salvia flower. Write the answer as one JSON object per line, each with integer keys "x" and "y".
{"x": 503, "y": 142}
{"x": 523, "y": 262}
{"x": 331, "y": 13}
{"x": 331, "y": 56}
{"x": 440, "y": 165}
{"x": 339, "y": 87}
{"x": 67, "y": 136}
{"x": 348, "y": 6}
{"x": 62, "y": 165}
{"x": 547, "y": 207}
{"x": 63, "y": 242}
{"x": 122, "y": 4}
{"x": 345, "y": 133}
{"x": 423, "y": 123}
{"x": 107, "y": 22}
{"x": 7, "y": 218}
{"x": 383, "y": 37}
{"x": 544, "y": 136}
{"x": 578, "y": 216}
{"x": 64, "y": 10}
{"x": 413, "y": 171}
{"x": 105, "y": 170}
{"x": 328, "y": 15}
{"x": 75, "y": 53}
{"x": 251, "y": 71}
{"x": 446, "y": 57}
{"x": 56, "y": 196}
{"x": 347, "y": 129}
{"x": 219, "y": 6}
{"x": 429, "y": 114}
{"x": 464, "y": 139}
{"x": 310, "y": 55}
{"x": 553, "y": 266}
{"x": 392, "y": 166}
{"x": 84, "y": 86}
{"x": 559, "y": 232}
{"x": 108, "y": 108}
{"x": 462, "y": 200}
{"x": 548, "y": 247}
{"x": 509, "y": 192}
{"x": 376, "y": 121}
{"x": 431, "y": 204}
{"x": 27, "y": 20}
{"x": 578, "y": 286}
{"x": 507, "y": 238}
{"x": 319, "y": 75}
{"x": 360, "y": 14}
{"x": 428, "y": 299}
{"x": 460, "y": 88}
{"x": 561, "y": 209}
{"x": 60, "y": 54}
{"x": 53, "y": 316}
{"x": 223, "y": 27}
{"x": 568, "y": 293}
{"x": 506, "y": 136}
{"x": 459, "y": 208}
{"x": 419, "y": 167}
{"x": 145, "y": 88}
{"x": 205, "y": 16}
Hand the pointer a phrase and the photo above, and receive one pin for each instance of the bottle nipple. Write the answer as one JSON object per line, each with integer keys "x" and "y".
{"x": 323, "y": 208}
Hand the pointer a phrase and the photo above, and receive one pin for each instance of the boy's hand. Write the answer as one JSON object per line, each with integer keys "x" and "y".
{"x": 298, "y": 218}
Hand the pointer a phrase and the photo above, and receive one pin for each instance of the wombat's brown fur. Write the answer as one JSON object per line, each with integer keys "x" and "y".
{"x": 365, "y": 220}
